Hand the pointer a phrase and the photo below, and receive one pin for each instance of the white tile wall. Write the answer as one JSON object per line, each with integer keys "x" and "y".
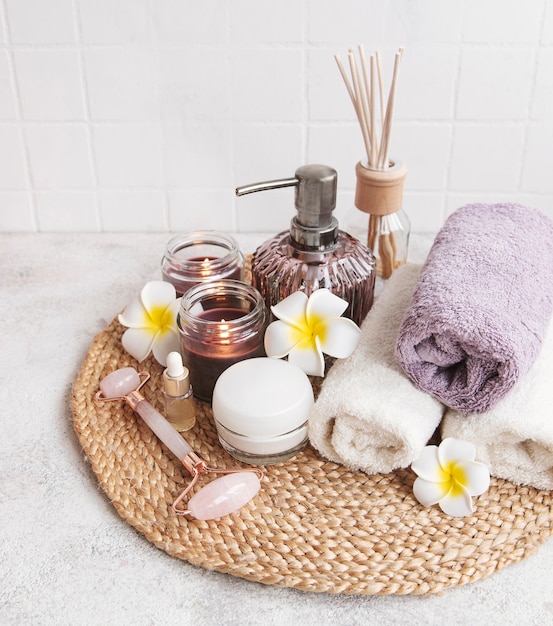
{"x": 184, "y": 22}
{"x": 13, "y": 173}
{"x": 487, "y": 158}
{"x": 119, "y": 22}
{"x": 128, "y": 155}
{"x": 132, "y": 211}
{"x": 141, "y": 115}
{"x": 49, "y": 84}
{"x": 495, "y": 84}
{"x": 542, "y": 101}
{"x": 7, "y": 100}
{"x": 35, "y": 22}
{"x": 61, "y": 211}
{"x": 58, "y": 155}
{"x": 121, "y": 83}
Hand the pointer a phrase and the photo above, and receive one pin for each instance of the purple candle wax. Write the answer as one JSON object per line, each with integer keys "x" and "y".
{"x": 200, "y": 257}
{"x": 221, "y": 315}
{"x": 209, "y": 354}
{"x": 200, "y": 269}
{"x": 220, "y": 323}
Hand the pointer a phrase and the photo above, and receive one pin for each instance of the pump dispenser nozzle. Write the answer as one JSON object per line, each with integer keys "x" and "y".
{"x": 313, "y": 253}
{"x": 314, "y": 227}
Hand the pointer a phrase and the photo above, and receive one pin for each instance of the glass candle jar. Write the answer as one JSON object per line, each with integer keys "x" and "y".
{"x": 199, "y": 257}
{"x": 260, "y": 408}
{"x": 220, "y": 323}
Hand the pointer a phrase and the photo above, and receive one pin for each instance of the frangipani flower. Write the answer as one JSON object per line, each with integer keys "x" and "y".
{"x": 307, "y": 327}
{"x": 151, "y": 319}
{"x": 448, "y": 475}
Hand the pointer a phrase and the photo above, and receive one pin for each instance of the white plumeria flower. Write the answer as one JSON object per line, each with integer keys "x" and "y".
{"x": 307, "y": 327}
{"x": 151, "y": 319}
{"x": 449, "y": 476}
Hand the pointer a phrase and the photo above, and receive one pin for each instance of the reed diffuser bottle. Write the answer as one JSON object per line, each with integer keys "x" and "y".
{"x": 313, "y": 253}
{"x": 379, "y": 219}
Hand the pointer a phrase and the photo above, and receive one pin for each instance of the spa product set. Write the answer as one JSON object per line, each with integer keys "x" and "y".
{"x": 213, "y": 333}
{"x": 205, "y": 311}
{"x": 461, "y": 346}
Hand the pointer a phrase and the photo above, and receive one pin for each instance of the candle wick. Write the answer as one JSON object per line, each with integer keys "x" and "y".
{"x": 224, "y": 331}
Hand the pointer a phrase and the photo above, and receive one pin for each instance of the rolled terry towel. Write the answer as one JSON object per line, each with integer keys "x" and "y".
{"x": 481, "y": 305}
{"x": 515, "y": 437}
{"x": 369, "y": 416}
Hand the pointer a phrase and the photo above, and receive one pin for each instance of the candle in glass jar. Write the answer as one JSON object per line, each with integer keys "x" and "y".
{"x": 220, "y": 324}
{"x": 199, "y": 257}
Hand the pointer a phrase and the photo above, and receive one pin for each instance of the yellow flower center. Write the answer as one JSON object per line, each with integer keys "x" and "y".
{"x": 160, "y": 318}
{"x": 313, "y": 327}
{"x": 457, "y": 478}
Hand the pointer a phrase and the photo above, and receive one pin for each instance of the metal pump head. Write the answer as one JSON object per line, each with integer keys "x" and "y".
{"x": 315, "y": 195}
{"x": 314, "y": 227}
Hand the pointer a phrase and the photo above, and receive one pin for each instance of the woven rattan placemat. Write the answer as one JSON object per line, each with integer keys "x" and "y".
{"x": 314, "y": 525}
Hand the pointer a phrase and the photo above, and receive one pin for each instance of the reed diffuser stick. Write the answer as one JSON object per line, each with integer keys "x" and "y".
{"x": 387, "y": 125}
{"x": 374, "y": 146}
{"x": 366, "y": 91}
{"x": 353, "y": 98}
{"x": 365, "y": 94}
{"x": 359, "y": 98}
{"x": 380, "y": 82}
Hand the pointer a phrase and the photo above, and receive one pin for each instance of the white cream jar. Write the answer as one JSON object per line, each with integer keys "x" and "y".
{"x": 260, "y": 407}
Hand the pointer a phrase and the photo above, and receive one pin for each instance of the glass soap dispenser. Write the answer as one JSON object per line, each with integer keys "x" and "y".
{"x": 313, "y": 253}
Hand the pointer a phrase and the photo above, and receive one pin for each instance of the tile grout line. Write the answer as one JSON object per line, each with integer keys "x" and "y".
{"x": 533, "y": 87}
{"x": 85, "y": 93}
{"x": 19, "y": 116}
{"x": 306, "y": 92}
{"x": 162, "y": 130}
{"x": 232, "y": 133}
{"x": 453, "y": 121}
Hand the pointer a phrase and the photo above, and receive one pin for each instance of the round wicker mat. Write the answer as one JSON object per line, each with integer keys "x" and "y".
{"x": 314, "y": 525}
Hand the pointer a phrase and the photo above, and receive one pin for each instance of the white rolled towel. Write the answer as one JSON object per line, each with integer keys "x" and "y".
{"x": 515, "y": 437}
{"x": 369, "y": 416}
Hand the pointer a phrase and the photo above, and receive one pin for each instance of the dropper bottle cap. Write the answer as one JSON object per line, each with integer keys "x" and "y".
{"x": 176, "y": 377}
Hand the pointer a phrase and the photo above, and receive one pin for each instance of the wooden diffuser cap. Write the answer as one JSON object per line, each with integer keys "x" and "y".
{"x": 380, "y": 192}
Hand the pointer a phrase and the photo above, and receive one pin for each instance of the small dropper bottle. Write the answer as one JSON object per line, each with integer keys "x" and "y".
{"x": 177, "y": 394}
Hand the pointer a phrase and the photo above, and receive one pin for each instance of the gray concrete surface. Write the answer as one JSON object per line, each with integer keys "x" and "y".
{"x": 67, "y": 557}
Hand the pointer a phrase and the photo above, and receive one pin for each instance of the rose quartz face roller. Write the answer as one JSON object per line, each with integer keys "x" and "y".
{"x": 220, "y": 497}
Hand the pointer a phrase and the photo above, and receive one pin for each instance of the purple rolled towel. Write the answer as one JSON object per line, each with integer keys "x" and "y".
{"x": 481, "y": 306}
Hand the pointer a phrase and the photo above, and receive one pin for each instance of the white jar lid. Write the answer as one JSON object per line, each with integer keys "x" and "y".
{"x": 262, "y": 397}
